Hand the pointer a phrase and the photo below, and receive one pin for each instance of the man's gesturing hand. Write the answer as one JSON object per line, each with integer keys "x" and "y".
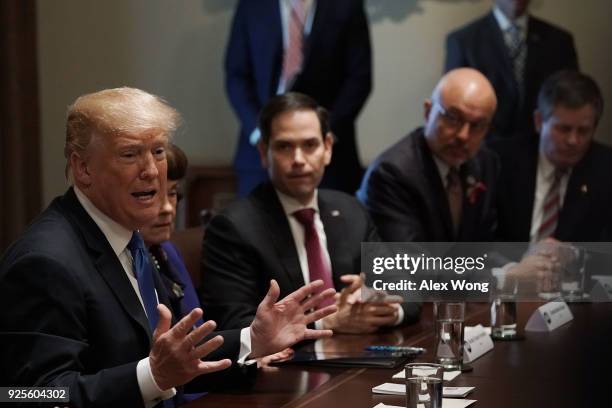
{"x": 279, "y": 325}
{"x": 175, "y": 355}
{"x": 354, "y": 316}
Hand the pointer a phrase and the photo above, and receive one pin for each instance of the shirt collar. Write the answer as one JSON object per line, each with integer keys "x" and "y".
{"x": 443, "y": 168}
{"x": 547, "y": 169}
{"x": 504, "y": 22}
{"x": 117, "y": 236}
{"x": 291, "y": 205}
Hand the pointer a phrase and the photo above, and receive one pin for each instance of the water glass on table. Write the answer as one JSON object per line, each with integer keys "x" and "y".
{"x": 503, "y": 318}
{"x": 449, "y": 318}
{"x": 424, "y": 385}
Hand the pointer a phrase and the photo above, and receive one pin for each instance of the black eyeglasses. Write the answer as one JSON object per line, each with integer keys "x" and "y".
{"x": 456, "y": 121}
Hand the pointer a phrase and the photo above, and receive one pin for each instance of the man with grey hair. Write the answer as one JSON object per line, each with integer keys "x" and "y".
{"x": 80, "y": 305}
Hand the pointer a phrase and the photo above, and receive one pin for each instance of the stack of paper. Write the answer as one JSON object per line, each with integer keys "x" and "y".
{"x": 446, "y": 403}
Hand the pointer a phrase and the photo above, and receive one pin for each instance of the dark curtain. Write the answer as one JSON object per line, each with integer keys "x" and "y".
{"x": 20, "y": 184}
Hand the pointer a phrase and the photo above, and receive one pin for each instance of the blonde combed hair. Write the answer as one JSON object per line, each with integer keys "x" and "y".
{"x": 116, "y": 111}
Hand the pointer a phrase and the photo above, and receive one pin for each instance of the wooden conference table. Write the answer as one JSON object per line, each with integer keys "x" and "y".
{"x": 569, "y": 367}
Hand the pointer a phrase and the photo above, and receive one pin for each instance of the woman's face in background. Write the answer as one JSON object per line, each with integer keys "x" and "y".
{"x": 161, "y": 229}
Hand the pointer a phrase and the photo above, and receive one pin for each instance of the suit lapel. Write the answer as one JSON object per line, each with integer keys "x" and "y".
{"x": 524, "y": 185}
{"x": 106, "y": 262}
{"x": 318, "y": 26}
{"x": 576, "y": 201}
{"x": 267, "y": 36}
{"x": 470, "y": 174}
{"x": 534, "y": 44}
{"x": 432, "y": 183}
{"x": 280, "y": 234}
{"x": 334, "y": 224}
{"x": 500, "y": 53}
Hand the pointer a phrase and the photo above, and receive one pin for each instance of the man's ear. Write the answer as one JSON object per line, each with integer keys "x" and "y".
{"x": 427, "y": 109}
{"x": 328, "y": 143}
{"x": 263, "y": 147}
{"x": 80, "y": 171}
{"x": 537, "y": 120}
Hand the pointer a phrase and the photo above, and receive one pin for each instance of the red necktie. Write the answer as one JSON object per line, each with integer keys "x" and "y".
{"x": 551, "y": 209}
{"x": 317, "y": 267}
{"x": 292, "y": 61}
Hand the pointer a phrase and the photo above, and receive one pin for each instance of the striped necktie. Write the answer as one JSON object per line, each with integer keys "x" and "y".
{"x": 518, "y": 54}
{"x": 294, "y": 54}
{"x": 551, "y": 207}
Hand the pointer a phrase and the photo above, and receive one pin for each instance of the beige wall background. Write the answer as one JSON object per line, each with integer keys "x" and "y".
{"x": 175, "y": 49}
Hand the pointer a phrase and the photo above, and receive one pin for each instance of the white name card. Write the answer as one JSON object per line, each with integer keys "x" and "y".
{"x": 602, "y": 288}
{"x": 400, "y": 389}
{"x": 476, "y": 342}
{"x": 549, "y": 316}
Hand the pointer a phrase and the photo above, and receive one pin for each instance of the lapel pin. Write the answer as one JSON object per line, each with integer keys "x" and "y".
{"x": 584, "y": 189}
{"x": 335, "y": 213}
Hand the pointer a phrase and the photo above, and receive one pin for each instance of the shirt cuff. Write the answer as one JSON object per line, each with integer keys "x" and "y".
{"x": 400, "y": 314}
{"x": 255, "y": 136}
{"x": 245, "y": 347}
{"x": 150, "y": 391}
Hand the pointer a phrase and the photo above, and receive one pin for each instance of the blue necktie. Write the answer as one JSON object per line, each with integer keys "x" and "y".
{"x": 144, "y": 275}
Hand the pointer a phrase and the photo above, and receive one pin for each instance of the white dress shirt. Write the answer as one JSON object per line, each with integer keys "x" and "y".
{"x": 545, "y": 176}
{"x": 291, "y": 205}
{"x": 443, "y": 169}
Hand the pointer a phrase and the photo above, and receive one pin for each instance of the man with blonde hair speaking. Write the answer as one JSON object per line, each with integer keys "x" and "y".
{"x": 80, "y": 305}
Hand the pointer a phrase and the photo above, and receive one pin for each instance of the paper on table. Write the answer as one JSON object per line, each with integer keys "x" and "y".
{"x": 446, "y": 403}
{"x": 487, "y": 329}
{"x": 448, "y": 375}
{"x": 400, "y": 389}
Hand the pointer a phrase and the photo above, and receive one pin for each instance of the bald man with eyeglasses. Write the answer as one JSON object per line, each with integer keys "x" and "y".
{"x": 437, "y": 183}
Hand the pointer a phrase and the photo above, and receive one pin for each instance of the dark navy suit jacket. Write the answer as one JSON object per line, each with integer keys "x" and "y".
{"x": 69, "y": 315}
{"x": 481, "y": 45}
{"x": 336, "y": 71}
{"x": 586, "y": 215}
{"x": 403, "y": 192}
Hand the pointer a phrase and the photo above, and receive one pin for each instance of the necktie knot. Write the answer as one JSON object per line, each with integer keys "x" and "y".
{"x": 136, "y": 244}
{"x": 305, "y": 216}
{"x": 558, "y": 174}
{"x": 452, "y": 178}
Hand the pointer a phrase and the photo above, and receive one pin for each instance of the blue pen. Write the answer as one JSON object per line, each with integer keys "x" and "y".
{"x": 409, "y": 349}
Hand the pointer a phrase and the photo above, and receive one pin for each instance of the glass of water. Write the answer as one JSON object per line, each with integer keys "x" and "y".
{"x": 449, "y": 318}
{"x": 573, "y": 272}
{"x": 424, "y": 385}
{"x": 503, "y": 318}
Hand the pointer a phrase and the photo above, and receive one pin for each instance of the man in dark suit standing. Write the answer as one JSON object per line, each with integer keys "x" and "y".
{"x": 437, "y": 183}
{"x": 80, "y": 304}
{"x": 319, "y": 48}
{"x": 290, "y": 230}
{"x": 516, "y": 52}
{"x": 558, "y": 185}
